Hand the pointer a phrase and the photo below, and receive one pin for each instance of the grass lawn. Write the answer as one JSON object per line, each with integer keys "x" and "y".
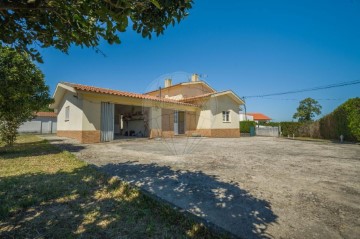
{"x": 48, "y": 193}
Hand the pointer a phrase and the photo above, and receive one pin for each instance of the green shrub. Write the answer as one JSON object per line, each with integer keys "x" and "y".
{"x": 290, "y": 128}
{"x": 273, "y": 124}
{"x": 352, "y": 107}
{"x": 344, "y": 120}
{"x": 245, "y": 126}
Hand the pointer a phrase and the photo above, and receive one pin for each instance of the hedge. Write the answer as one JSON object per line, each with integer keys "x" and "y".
{"x": 273, "y": 124}
{"x": 245, "y": 126}
{"x": 344, "y": 120}
{"x": 290, "y": 128}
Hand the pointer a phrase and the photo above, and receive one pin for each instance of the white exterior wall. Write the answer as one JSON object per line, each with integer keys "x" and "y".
{"x": 210, "y": 117}
{"x": 92, "y": 113}
{"x": 84, "y": 113}
{"x": 205, "y": 116}
{"x": 76, "y": 113}
{"x": 224, "y": 103}
{"x": 155, "y": 118}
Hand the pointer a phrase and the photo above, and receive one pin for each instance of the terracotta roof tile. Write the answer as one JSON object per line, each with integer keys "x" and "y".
{"x": 259, "y": 116}
{"x": 46, "y": 114}
{"x": 122, "y": 93}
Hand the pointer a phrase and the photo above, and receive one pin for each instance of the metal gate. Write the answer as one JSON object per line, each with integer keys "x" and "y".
{"x": 107, "y": 122}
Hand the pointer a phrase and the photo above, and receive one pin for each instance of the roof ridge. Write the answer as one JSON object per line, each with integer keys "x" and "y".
{"x": 122, "y": 93}
{"x": 73, "y": 84}
{"x": 181, "y": 83}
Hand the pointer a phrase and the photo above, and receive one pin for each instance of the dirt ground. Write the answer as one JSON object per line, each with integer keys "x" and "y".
{"x": 254, "y": 187}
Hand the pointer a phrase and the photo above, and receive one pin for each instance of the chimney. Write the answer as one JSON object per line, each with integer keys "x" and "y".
{"x": 168, "y": 82}
{"x": 194, "y": 77}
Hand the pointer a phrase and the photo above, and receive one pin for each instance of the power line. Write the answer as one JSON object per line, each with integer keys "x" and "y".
{"x": 289, "y": 99}
{"x": 308, "y": 89}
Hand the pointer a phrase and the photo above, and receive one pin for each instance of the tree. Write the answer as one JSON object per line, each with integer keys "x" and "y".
{"x": 307, "y": 110}
{"x": 22, "y": 92}
{"x": 26, "y": 24}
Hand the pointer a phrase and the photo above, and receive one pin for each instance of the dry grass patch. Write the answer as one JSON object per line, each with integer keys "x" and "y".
{"x": 45, "y": 192}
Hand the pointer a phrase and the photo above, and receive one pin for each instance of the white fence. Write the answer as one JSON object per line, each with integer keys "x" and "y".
{"x": 267, "y": 131}
{"x": 39, "y": 126}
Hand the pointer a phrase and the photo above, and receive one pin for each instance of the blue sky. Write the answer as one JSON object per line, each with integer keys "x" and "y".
{"x": 252, "y": 47}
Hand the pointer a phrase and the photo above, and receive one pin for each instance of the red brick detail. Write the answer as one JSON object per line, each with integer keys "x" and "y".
{"x": 225, "y": 133}
{"x": 167, "y": 134}
{"x": 216, "y": 133}
{"x": 91, "y": 136}
{"x": 46, "y": 114}
{"x": 84, "y": 137}
{"x": 73, "y": 134}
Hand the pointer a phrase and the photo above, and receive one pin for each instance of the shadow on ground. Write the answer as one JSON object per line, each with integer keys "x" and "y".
{"x": 42, "y": 149}
{"x": 225, "y": 204}
{"x": 84, "y": 203}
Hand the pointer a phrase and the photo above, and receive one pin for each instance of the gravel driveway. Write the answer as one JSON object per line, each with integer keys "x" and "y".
{"x": 254, "y": 187}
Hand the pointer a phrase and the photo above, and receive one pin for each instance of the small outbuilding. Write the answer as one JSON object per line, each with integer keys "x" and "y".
{"x": 43, "y": 123}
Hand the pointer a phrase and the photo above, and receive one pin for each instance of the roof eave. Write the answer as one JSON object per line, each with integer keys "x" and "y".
{"x": 144, "y": 100}
{"x": 60, "y": 90}
{"x": 235, "y": 97}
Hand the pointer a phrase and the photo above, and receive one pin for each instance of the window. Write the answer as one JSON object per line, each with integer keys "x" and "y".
{"x": 67, "y": 113}
{"x": 226, "y": 116}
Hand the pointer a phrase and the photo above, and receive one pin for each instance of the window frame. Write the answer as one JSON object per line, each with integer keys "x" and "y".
{"x": 226, "y": 116}
{"x": 67, "y": 113}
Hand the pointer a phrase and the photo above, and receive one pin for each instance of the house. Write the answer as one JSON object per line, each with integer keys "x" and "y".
{"x": 259, "y": 117}
{"x": 92, "y": 114}
{"x": 245, "y": 117}
{"x": 43, "y": 123}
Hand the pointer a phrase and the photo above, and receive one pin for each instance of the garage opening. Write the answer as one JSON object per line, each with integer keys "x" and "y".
{"x": 131, "y": 121}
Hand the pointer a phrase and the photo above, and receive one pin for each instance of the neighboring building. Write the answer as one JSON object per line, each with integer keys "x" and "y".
{"x": 258, "y": 117}
{"x": 91, "y": 114}
{"x": 245, "y": 117}
{"x": 43, "y": 123}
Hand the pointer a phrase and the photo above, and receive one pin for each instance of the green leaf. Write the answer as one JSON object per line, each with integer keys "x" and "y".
{"x": 86, "y": 23}
{"x": 156, "y": 3}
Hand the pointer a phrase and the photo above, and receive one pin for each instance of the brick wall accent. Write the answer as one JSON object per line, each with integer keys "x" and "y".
{"x": 167, "y": 134}
{"x": 93, "y": 136}
{"x": 90, "y": 136}
{"x": 216, "y": 133}
{"x": 73, "y": 134}
{"x": 204, "y": 132}
{"x": 225, "y": 133}
{"x": 84, "y": 137}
